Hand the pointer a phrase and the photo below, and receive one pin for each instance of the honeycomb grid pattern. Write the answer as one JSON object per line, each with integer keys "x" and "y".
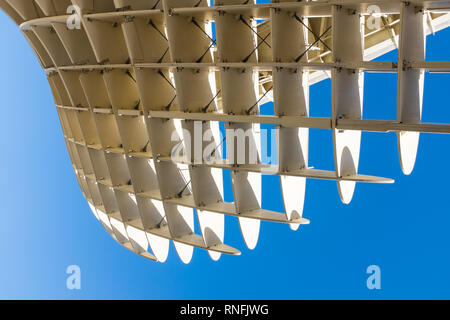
{"x": 139, "y": 77}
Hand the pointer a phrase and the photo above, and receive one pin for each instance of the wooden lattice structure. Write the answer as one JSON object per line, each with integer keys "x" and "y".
{"x": 137, "y": 71}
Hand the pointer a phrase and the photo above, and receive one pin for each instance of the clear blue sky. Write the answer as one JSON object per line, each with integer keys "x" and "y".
{"x": 46, "y": 224}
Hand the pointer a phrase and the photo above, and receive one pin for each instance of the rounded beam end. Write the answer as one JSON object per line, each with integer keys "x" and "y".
{"x": 250, "y": 231}
{"x": 408, "y": 145}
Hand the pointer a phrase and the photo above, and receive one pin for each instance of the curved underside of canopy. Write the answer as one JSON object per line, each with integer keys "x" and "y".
{"x": 135, "y": 80}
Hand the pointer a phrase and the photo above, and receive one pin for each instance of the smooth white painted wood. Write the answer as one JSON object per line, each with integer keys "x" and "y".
{"x": 347, "y": 94}
{"x": 410, "y": 82}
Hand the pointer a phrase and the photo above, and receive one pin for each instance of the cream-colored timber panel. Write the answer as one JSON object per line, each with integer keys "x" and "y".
{"x": 347, "y": 94}
{"x": 412, "y": 44}
{"x": 95, "y": 154}
{"x": 68, "y": 134}
{"x": 178, "y": 221}
{"x": 191, "y": 41}
{"x": 94, "y": 89}
{"x": 99, "y": 164}
{"x": 153, "y": 216}
{"x": 147, "y": 42}
{"x": 54, "y": 7}
{"x": 173, "y": 181}
{"x": 131, "y": 238}
{"x": 100, "y": 34}
{"x": 291, "y": 98}
{"x": 87, "y": 125}
{"x": 118, "y": 169}
{"x": 236, "y": 41}
{"x": 138, "y": 4}
{"x": 156, "y": 90}
{"x": 132, "y": 133}
{"x": 145, "y": 37}
{"x": 95, "y": 6}
{"x": 59, "y": 88}
{"x": 104, "y": 219}
{"x": 102, "y": 196}
{"x": 74, "y": 155}
{"x": 50, "y": 40}
{"x": 123, "y": 204}
{"x": 207, "y": 188}
{"x": 27, "y": 9}
{"x": 81, "y": 166}
{"x": 122, "y": 89}
{"x": 108, "y": 132}
{"x": 134, "y": 139}
{"x": 247, "y": 197}
{"x": 190, "y": 98}
{"x": 11, "y": 12}
{"x": 105, "y": 125}
{"x": 83, "y": 185}
{"x": 143, "y": 173}
{"x": 64, "y": 125}
{"x": 77, "y": 135}
{"x": 93, "y": 209}
{"x": 71, "y": 81}
{"x": 39, "y": 49}
{"x": 108, "y": 197}
{"x": 118, "y": 203}
{"x": 55, "y": 93}
{"x": 85, "y": 159}
{"x": 76, "y": 44}
{"x": 114, "y": 200}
